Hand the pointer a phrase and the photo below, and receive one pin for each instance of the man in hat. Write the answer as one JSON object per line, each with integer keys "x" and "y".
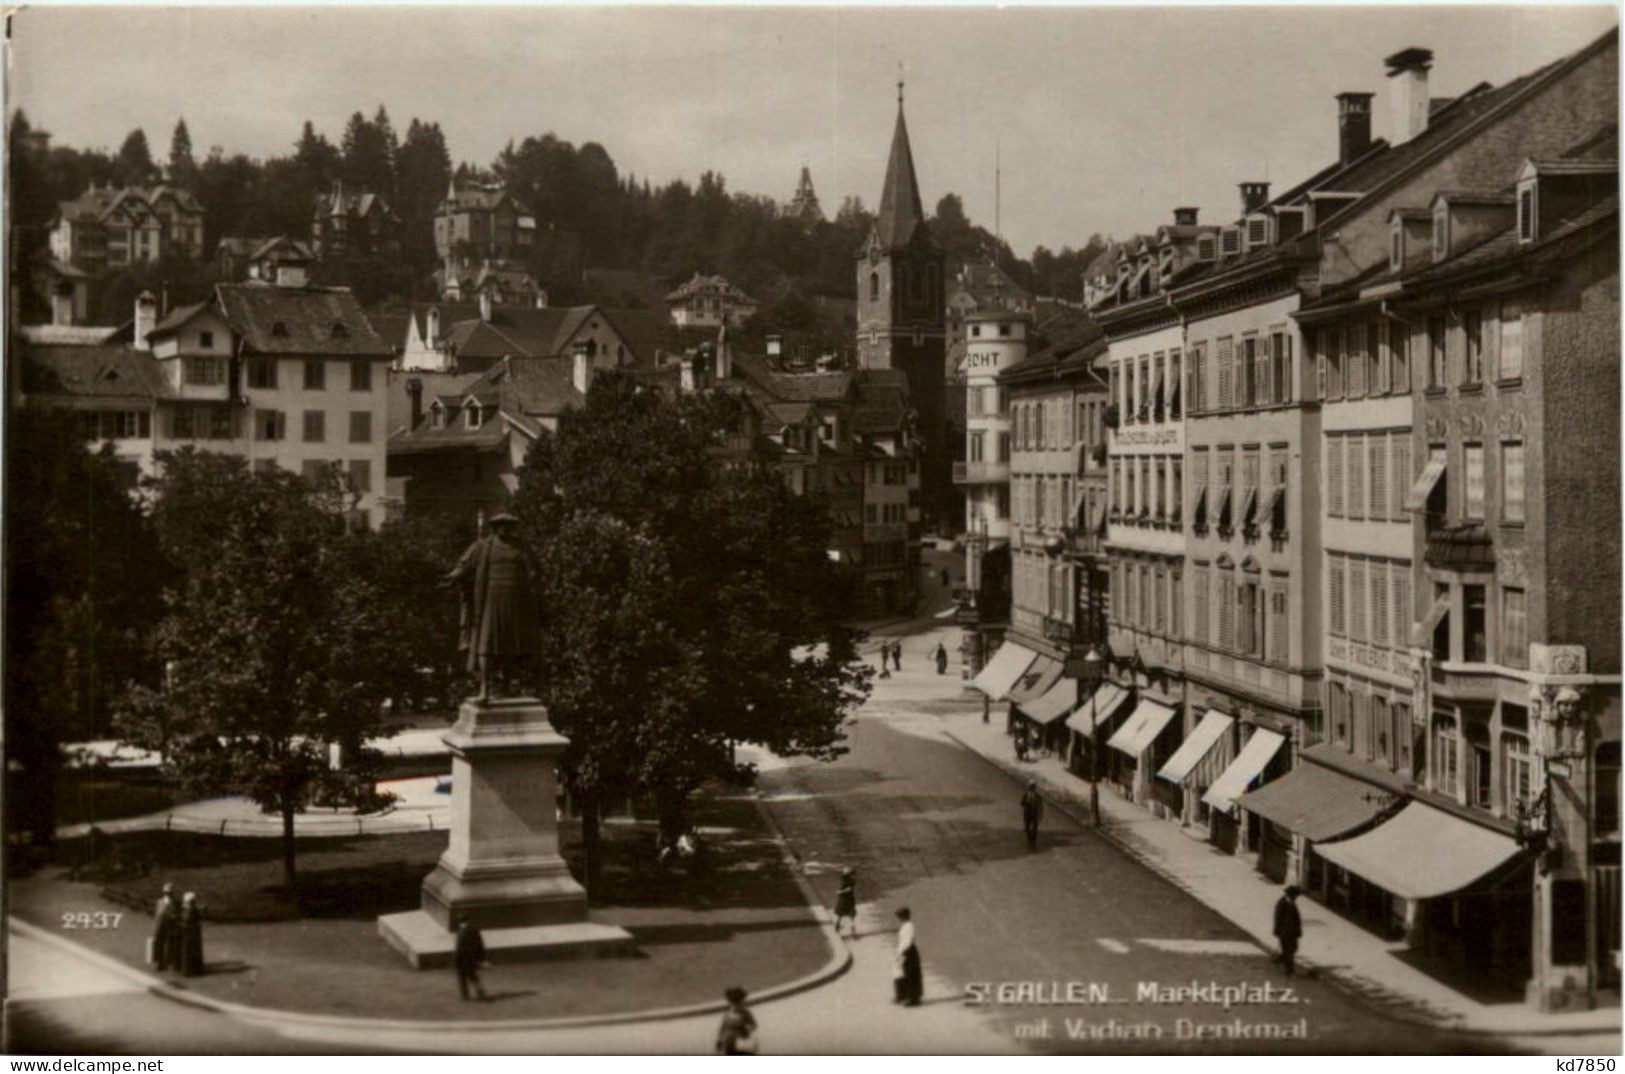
{"x": 1032, "y": 811}
{"x": 1288, "y": 926}
{"x": 500, "y": 624}
{"x": 165, "y": 931}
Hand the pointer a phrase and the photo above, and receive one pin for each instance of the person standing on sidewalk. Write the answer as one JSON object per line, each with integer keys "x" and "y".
{"x": 1032, "y": 811}
{"x": 191, "y": 936}
{"x": 1288, "y": 927}
{"x": 897, "y": 655}
{"x": 908, "y": 984}
{"x": 470, "y": 956}
{"x": 942, "y": 659}
{"x": 846, "y": 902}
{"x": 165, "y": 925}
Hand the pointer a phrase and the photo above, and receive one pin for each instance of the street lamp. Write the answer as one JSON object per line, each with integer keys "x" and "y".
{"x": 1094, "y": 671}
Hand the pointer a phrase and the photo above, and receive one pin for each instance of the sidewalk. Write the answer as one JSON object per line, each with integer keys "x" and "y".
{"x": 1230, "y": 885}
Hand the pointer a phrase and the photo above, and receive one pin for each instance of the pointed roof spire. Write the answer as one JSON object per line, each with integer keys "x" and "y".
{"x": 901, "y": 213}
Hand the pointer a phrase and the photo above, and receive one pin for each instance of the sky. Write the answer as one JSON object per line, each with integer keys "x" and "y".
{"x": 1101, "y": 119}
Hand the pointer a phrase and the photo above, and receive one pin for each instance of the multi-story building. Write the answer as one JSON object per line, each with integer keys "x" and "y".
{"x": 109, "y": 227}
{"x": 483, "y": 235}
{"x": 353, "y": 222}
{"x": 450, "y": 337}
{"x": 709, "y": 302}
{"x": 901, "y": 313}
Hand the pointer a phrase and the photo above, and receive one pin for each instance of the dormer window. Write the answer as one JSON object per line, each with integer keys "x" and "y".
{"x": 340, "y": 330}
{"x": 1396, "y": 247}
{"x": 279, "y": 329}
{"x": 1526, "y": 213}
{"x": 474, "y": 416}
{"x": 1230, "y": 242}
{"x": 1257, "y": 231}
{"x": 1205, "y": 248}
{"x": 437, "y": 415}
{"x": 1441, "y": 231}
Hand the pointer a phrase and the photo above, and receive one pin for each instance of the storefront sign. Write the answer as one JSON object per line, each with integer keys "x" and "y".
{"x": 986, "y": 360}
{"x": 1146, "y": 437}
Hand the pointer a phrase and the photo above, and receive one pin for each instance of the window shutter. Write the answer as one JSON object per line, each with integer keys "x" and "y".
{"x": 1379, "y": 604}
{"x": 1227, "y": 600}
{"x": 1402, "y": 476}
{"x": 1199, "y": 626}
{"x": 1356, "y": 601}
{"x": 1354, "y": 473}
{"x": 1176, "y": 601}
{"x": 1338, "y": 623}
{"x": 1278, "y": 624}
{"x": 1377, "y": 448}
{"x": 1402, "y": 604}
{"x": 1226, "y": 356}
{"x": 1286, "y": 368}
{"x": 1334, "y": 476}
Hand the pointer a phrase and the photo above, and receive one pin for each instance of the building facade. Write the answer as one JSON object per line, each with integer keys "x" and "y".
{"x": 709, "y": 302}
{"x": 108, "y": 228}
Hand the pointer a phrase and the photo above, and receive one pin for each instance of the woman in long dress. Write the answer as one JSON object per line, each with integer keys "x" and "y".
{"x": 191, "y": 930}
{"x": 907, "y": 982}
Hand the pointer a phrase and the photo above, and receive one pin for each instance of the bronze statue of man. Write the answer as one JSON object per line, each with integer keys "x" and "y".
{"x": 501, "y": 625}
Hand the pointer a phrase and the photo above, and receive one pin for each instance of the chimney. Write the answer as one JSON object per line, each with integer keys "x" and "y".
{"x": 1408, "y": 92}
{"x": 725, "y": 355}
{"x": 146, "y": 318}
{"x": 581, "y": 369}
{"x": 62, "y": 304}
{"x": 414, "y": 389}
{"x": 1353, "y": 126}
{"x": 1253, "y": 196}
{"x": 541, "y": 298}
{"x": 485, "y": 305}
{"x": 1185, "y": 216}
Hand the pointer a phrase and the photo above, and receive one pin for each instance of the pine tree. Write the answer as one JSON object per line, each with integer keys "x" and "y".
{"x": 182, "y": 167}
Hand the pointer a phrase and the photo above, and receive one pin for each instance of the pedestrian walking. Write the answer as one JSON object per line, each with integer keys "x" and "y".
{"x": 1021, "y": 741}
{"x": 1288, "y": 927}
{"x": 885, "y": 660}
{"x": 191, "y": 936}
{"x": 907, "y": 983}
{"x": 165, "y": 925}
{"x": 737, "y": 1033}
{"x": 1032, "y": 811}
{"x": 897, "y": 655}
{"x": 942, "y": 659}
{"x": 846, "y": 902}
{"x": 470, "y": 956}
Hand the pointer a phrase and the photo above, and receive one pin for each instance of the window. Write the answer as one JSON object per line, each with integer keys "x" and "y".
{"x": 1402, "y": 477}
{"x": 1512, "y": 486}
{"x": 313, "y": 469}
{"x": 1373, "y": 358}
{"x": 1334, "y": 364}
{"x": 1446, "y": 755}
{"x": 1176, "y": 601}
{"x": 361, "y": 376}
{"x": 269, "y": 424}
{"x": 1174, "y": 384}
{"x": 1251, "y": 620}
{"x": 1337, "y": 705}
{"x": 262, "y": 372}
{"x": 1355, "y": 365}
{"x": 1176, "y": 491}
{"x": 1526, "y": 213}
{"x": 1605, "y": 824}
{"x": 360, "y": 426}
{"x": 1474, "y": 636}
{"x": 1197, "y": 361}
{"x": 1199, "y": 616}
{"x": 1472, "y": 328}
{"x": 1441, "y": 232}
{"x": 1247, "y": 372}
{"x": 1278, "y": 622}
{"x": 1396, "y": 247}
{"x": 975, "y": 447}
{"x": 1280, "y": 367}
{"x": 1354, "y": 473}
{"x": 874, "y": 296}
{"x": 361, "y": 475}
{"x": 1159, "y": 621}
{"x": 203, "y": 372}
{"x": 1379, "y": 604}
{"x": 1159, "y": 507}
{"x": 1402, "y": 736}
{"x": 1473, "y": 483}
{"x": 183, "y": 426}
{"x": 1378, "y": 745}
{"x": 1441, "y": 628}
{"x": 1130, "y": 588}
{"x": 1226, "y": 351}
{"x": 1334, "y": 476}
{"x": 315, "y": 375}
{"x": 315, "y": 426}
{"x": 1514, "y": 628}
{"x": 1227, "y": 612}
{"x": 1357, "y": 600}
{"x": 1511, "y": 325}
{"x": 222, "y": 423}
{"x": 1515, "y": 763}
{"x": 1399, "y": 358}
{"x": 1377, "y": 470}
{"x": 1337, "y": 621}
{"x": 1436, "y": 352}
{"x": 340, "y": 330}
{"x": 473, "y": 416}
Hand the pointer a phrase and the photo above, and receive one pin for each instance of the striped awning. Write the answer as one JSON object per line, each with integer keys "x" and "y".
{"x": 1142, "y": 728}
{"x": 1102, "y": 706}
{"x": 1195, "y": 749}
{"x": 1061, "y": 699}
{"x": 1035, "y": 682}
{"x": 1008, "y": 664}
{"x": 1422, "y": 853}
{"x": 1252, "y": 759}
{"x": 1316, "y": 802}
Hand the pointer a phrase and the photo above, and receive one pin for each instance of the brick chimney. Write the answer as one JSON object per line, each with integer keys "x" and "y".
{"x": 1408, "y": 92}
{"x": 146, "y": 319}
{"x": 1353, "y": 125}
{"x": 1185, "y": 216}
{"x": 1253, "y": 196}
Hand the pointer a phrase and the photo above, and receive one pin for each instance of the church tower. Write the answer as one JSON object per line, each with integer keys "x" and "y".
{"x": 901, "y": 316}
{"x": 804, "y": 206}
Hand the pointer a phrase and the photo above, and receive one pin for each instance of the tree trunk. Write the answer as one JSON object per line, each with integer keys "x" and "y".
{"x": 288, "y": 874}
{"x": 591, "y": 845}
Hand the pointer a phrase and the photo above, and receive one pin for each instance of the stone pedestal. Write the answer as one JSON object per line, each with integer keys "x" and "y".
{"x": 502, "y": 871}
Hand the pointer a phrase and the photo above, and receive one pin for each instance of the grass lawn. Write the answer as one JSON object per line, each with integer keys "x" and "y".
{"x": 742, "y": 922}
{"x": 84, "y": 798}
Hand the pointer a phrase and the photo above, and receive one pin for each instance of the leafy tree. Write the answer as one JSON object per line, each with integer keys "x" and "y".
{"x": 182, "y": 167}
{"x": 83, "y": 572}
{"x": 133, "y": 166}
{"x": 678, "y": 593}
{"x": 278, "y": 642}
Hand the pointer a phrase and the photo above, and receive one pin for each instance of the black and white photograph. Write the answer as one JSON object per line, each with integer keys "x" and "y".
{"x": 818, "y": 530}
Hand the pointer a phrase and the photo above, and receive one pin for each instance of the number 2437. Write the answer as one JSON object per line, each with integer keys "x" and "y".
{"x": 85, "y": 919}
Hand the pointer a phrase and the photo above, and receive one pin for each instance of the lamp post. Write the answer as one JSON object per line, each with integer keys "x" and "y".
{"x": 1094, "y": 671}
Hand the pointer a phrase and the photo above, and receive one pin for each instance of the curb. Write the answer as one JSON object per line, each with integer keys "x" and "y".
{"x": 839, "y": 962}
{"x": 1348, "y": 984}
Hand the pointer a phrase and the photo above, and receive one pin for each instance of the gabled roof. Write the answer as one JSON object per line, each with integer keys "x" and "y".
{"x": 177, "y": 317}
{"x": 300, "y": 320}
{"x": 91, "y": 376}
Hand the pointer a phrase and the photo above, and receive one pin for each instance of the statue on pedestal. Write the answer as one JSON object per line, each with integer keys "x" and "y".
{"x": 500, "y": 625}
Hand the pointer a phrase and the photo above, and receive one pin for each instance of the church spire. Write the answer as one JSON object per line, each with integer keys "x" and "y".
{"x": 901, "y": 213}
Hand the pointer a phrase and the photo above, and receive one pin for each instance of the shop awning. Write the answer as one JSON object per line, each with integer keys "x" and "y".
{"x": 1035, "y": 682}
{"x": 1422, "y": 852}
{"x": 1272, "y": 508}
{"x": 1142, "y": 728}
{"x": 1417, "y": 498}
{"x": 1107, "y": 700}
{"x": 1316, "y": 802}
{"x": 1061, "y": 699}
{"x": 1243, "y": 770}
{"x": 1097, "y": 521}
{"x": 1199, "y": 507}
{"x": 1008, "y": 664}
{"x": 1190, "y": 753}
